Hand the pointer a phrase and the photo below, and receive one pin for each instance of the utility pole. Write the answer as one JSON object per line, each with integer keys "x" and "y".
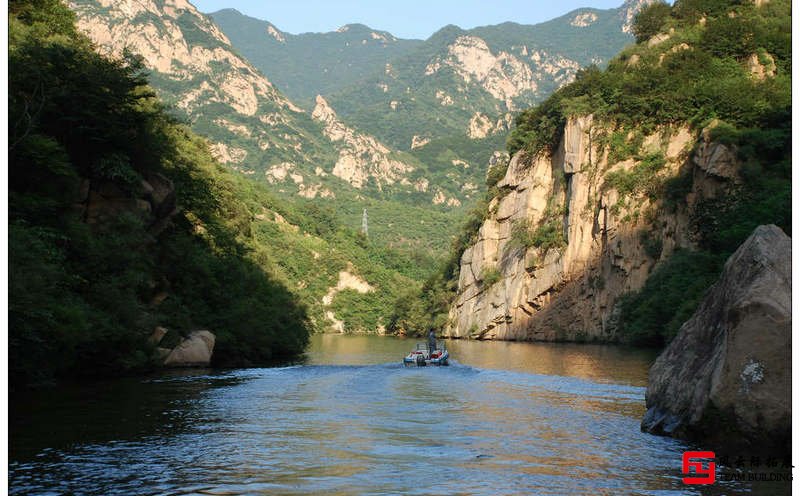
{"x": 364, "y": 226}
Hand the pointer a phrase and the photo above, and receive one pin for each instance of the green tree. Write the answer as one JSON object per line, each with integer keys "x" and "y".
{"x": 650, "y": 21}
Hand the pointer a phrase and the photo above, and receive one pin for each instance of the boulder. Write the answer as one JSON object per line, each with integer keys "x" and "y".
{"x": 193, "y": 351}
{"x": 725, "y": 380}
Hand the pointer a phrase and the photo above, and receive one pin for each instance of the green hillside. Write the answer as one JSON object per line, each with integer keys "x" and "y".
{"x": 386, "y": 86}
{"x": 581, "y": 46}
{"x": 310, "y": 64}
{"x": 256, "y": 130}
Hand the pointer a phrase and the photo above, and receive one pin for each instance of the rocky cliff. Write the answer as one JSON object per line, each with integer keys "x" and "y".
{"x": 564, "y": 238}
{"x": 735, "y": 386}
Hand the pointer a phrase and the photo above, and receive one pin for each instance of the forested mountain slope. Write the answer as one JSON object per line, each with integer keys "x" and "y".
{"x": 254, "y": 129}
{"x": 449, "y": 100}
{"x": 309, "y": 64}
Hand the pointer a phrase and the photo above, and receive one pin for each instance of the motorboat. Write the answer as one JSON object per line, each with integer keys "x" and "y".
{"x": 422, "y": 356}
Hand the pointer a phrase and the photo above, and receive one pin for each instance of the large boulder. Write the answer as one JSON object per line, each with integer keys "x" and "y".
{"x": 725, "y": 380}
{"x": 193, "y": 351}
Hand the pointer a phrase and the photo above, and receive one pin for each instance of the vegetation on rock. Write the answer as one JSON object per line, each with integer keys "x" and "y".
{"x": 717, "y": 65}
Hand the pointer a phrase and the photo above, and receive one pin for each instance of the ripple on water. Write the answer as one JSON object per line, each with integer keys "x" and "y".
{"x": 378, "y": 428}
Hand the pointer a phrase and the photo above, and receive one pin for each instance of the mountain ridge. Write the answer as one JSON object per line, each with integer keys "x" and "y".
{"x": 252, "y": 127}
{"x": 447, "y": 100}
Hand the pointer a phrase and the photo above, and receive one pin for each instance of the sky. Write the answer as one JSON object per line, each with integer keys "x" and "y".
{"x": 403, "y": 18}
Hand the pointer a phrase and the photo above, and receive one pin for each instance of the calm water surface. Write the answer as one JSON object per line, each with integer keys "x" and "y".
{"x": 506, "y": 418}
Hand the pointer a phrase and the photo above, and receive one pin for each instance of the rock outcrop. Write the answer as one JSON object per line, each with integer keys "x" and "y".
{"x": 101, "y": 200}
{"x": 629, "y": 10}
{"x": 347, "y": 280}
{"x": 193, "y": 351}
{"x": 602, "y": 246}
{"x": 166, "y": 50}
{"x": 361, "y": 157}
{"x": 726, "y": 376}
{"x": 503, "y": 75}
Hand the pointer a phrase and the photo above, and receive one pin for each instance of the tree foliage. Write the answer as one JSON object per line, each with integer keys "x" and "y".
{"x": 650, "y": 21}
{"x": 81, "y": 294}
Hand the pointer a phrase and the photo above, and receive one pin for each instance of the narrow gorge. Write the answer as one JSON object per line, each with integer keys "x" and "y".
{"x": 543, "y": 258}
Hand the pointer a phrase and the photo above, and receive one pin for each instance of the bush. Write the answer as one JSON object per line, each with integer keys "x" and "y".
{"x": 653, "y": 315}
{"x": 650, "y": 21}
{"x": 496, "y": 173}
{"x": 490, "y": 276}
{"x": 641, "y": 179}
{"x": 548, "y": 234}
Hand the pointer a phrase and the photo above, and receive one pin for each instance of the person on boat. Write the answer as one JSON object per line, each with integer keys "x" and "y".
{"x": 431, "y": 341}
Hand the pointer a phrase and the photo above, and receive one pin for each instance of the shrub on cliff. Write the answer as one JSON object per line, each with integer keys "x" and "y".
{"x": 548, "y": 234}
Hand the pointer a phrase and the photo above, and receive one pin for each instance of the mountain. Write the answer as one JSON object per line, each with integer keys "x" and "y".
{"x": 309, "y": 64}
{"x": 448, "y": 101}
{"x": 254, "y": 129}
{"x": 630, "y": 187}
{"x": 476, "y": 79}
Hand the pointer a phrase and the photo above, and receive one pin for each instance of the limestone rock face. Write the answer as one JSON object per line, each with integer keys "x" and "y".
{"x": 361, "y": 157}
{"x": 727, "y": 374}
{"x": 759, "y": 70}
{"x": 193, "y": 351}
{"x": 347, "y": 280}
{"x": 629, "y": 10}
{"x": 583, "y": 19}
{"x": 503, "y": 75}
{"x": 479, "y": 126}
{"x": 570, "y": 292}
{"x": 165, "y": 50}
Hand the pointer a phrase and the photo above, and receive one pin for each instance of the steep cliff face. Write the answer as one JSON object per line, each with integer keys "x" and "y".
{"x": 561, "y": 244}
{"x": 502, "y": 75}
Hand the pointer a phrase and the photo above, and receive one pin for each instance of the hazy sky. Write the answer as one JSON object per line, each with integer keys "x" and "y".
{"x": 402, "y": 18}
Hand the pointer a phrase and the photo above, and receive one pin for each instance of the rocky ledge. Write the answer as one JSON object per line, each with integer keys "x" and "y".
{"x": 725, "y": 380}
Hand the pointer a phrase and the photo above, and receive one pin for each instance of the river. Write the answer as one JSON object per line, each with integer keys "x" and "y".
{"x": 504, "y": 418}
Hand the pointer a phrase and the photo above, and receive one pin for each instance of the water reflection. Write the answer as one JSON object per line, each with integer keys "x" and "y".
{"x": 119, "y": 410}
{"x": 509, "y": 418}
{"x": 587, "y": 361}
